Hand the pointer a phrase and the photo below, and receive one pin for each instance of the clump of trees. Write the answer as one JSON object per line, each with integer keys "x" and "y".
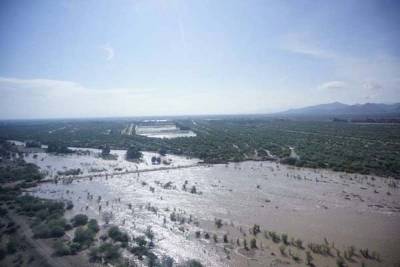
{"x": 47, "y": 214}
{"x": 133, "y": 153}
{"x": 58, "y": 149}
{"x": 20, "y": 171}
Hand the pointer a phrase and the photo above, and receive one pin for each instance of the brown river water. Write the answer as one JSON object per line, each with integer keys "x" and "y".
{"x": 346, "y": 209}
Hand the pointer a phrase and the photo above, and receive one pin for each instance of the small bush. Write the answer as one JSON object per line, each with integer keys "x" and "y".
{"x": 275, "y": 237}
{"x": 79, "y": 220}
{"x": 106, "y": 251}
{"x": 149, "y": 233}
{"x": 218, "y": 223}
{"x": 93, "y": 225}
{"x": 309, "y": 259}
{"x": 2, "y": 254}
{"x": 70, "y": 205}
{"x": 253, "y": 243}
{"x": 84, "y": 237}
{"x": 215, "y": 237}
{"x": 285, "y": 239}
{"x": 11, "y": 246}
{"x": 299, "y": 244}
{"x": 256, "y": 229}
{"x": 54, "y": 228}
{"x": 61, "y": 249}
{"x": 117, "y": 235}
{"x": 191, "y": 263}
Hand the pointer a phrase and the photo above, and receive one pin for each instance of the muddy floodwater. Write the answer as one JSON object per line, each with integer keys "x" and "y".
{"x": 312, "y": 205}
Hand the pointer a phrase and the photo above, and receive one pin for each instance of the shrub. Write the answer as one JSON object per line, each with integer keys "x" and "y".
{"x": 133, "y": 153}
{"x": 167, "y": 261}
{"x": 141, "y": 241}
{"x": 83, "y": 236}
{"x": 191, "y": 263}
{"x": 117, "y": 235}
{"x": 54, "y": 228}
{"x": 70, "y": 205}
{"x": 299, "y": 243}
{"x": 107, "y": 217}
{"x": 309, "y": 259}
{"x": 93, "y": 225}
{"x": 193, "y": 190}
{"x": 256, "y": 229}
{"x": 253, "y": 243}
{"x": 2, "y": 254}
{"x": 11, "y": 246}
{"x": 40, "y": 231}
{"x": 215, "y": 237}
{"x": 285, "y": 239}
{"x": 152, "y": 259}
{"x": 218, "y": 223}
{"x": 275, "y": 237}
{"x": 79, "y": 219}
{"x": 340, "y": 262}
{"x": 149, "y": 233}
{"x": 322, "y": 249}
{"x": 282, "y": 249}
{"x": 245, "y": 244}
{"x": 56, "y": 231}
{"x": 173, "y": 217}
{"x": 61, "y": 249}
{"x": 106, "y": 251}
{"x": 3, "y": 212}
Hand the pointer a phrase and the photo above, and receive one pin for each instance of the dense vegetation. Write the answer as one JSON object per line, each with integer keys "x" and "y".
{"x": 351, "y": 147}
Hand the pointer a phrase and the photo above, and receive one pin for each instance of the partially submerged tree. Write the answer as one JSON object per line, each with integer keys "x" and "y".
{"x": 133, "y": 153}
{"x": 105, "y": 150}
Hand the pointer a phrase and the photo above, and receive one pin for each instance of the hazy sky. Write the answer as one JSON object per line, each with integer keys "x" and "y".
{"x": 142, "y": 57}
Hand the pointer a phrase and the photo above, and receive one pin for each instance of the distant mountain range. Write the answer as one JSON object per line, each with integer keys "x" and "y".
{"x": 338, "y": 108}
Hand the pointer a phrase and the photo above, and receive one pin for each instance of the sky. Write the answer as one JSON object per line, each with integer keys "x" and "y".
{"x": 66, "y": 59}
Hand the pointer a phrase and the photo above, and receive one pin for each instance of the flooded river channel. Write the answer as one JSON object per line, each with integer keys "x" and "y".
{"x": 183, "y": 205}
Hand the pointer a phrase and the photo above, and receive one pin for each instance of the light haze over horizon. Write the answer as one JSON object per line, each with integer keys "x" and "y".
{"x": 65, "y": 59}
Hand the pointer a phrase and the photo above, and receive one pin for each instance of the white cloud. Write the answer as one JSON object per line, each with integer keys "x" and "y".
{"x": 109, "y": 51}
{"x": 333, "y": 85}
{"x": 371, "y": 76}
{"x": 305, "y": 45}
